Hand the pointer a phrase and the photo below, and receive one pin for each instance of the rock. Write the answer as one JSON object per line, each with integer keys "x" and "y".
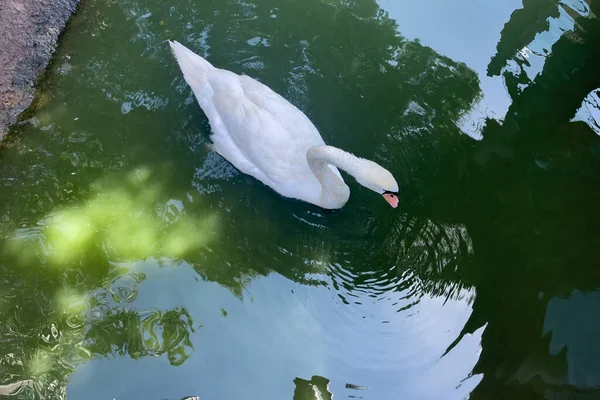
{"x": 29, "y": 31}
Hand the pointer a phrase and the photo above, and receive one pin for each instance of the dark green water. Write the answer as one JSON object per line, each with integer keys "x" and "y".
{"x": 136, "y": 264}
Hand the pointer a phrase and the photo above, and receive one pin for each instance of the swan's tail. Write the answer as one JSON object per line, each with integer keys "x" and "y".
{"x": 195, "y": 69}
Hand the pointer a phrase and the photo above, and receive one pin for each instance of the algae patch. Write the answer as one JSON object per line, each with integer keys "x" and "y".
{"x": 126, "y": 217}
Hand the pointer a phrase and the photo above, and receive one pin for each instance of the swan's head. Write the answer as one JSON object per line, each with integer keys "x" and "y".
{"x": 373, "y": 176}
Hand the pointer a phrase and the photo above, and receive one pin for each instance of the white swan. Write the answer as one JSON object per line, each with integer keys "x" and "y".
{"x": 265, "y": 136}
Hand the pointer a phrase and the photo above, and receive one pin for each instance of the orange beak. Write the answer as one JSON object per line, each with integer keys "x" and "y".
{"x": 391, "y": 198}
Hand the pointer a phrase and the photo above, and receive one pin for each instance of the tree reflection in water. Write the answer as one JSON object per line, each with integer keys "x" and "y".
{"x": 316, "y": 388}
{"x": 541, "y": 173}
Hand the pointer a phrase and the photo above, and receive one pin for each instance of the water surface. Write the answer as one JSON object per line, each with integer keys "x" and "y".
{"x": 137, "y": 263}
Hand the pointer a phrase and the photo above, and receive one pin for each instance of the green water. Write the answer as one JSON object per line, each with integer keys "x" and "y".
{"x": 137, "y": 264}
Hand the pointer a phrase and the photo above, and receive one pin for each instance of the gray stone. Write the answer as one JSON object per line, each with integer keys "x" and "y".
{"x": 29, "y": 31}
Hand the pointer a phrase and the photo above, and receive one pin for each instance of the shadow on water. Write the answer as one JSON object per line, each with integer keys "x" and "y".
{"x": 508, "y": 223}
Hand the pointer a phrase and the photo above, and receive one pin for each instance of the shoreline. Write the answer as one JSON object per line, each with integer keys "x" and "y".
{"x": 29, "y": 34}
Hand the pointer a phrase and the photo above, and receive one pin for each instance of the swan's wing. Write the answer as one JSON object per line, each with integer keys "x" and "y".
{"x": 296, "y": 123}
{"x": 280, "y": 109}
{"x": 261, "y": 140}
{"x": 267, "y": 131}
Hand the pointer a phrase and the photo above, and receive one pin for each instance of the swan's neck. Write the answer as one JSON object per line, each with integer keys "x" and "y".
{"x": 335, "y": 193}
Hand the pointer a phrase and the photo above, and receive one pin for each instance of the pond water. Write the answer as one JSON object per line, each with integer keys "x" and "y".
{"x": 135, "y": 263}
